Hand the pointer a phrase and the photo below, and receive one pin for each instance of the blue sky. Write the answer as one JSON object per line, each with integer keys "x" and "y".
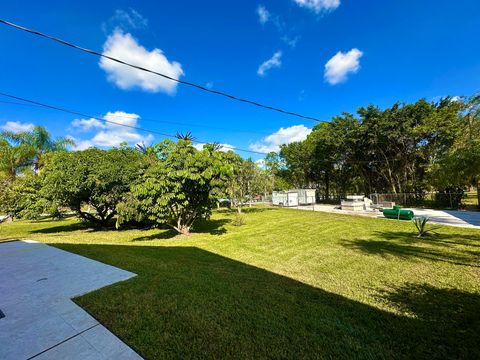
{"x": 320, "y": 58}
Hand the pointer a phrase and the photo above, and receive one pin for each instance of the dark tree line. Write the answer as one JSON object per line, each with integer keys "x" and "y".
{"x": 407, "y": 148}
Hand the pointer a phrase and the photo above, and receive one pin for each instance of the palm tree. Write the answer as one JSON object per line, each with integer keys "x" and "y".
{"x": 14, "y": 158}
{"x": 40, "y": 140}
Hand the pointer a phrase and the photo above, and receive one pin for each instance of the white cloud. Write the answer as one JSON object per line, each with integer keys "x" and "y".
{"x": 125, "y": 47}
{"x": 109, "y": 134}
{"x": 318, "y": 5}
{"x": 16, "y": 126}
{"x": 222, "y": 147}
{"x": 341, "y": 65}
{"x": 87, "y": 124}
{"x": 263, "y": 14}
{"x": 283, "y": 136}
{"x": 274, "y": 62}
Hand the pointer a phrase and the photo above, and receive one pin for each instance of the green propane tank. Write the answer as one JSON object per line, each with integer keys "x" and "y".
{"x": 397, "y": 213}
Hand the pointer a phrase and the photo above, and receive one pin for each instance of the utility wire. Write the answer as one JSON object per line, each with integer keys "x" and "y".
{"x": 161, "y": 121}
{"x": 199, "y": 87}
{"x": 39, "y": 104}
{"x": 33, "y": 102}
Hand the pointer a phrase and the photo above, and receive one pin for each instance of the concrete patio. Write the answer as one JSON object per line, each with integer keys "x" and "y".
{"x": 40, "y": 321}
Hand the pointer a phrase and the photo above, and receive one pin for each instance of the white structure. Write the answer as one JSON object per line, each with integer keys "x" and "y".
{"x": 356, "y": 203}
{"x": 306, "y": 196}
{"x": 294, "y": 197}
{"x": 285, "y": 198}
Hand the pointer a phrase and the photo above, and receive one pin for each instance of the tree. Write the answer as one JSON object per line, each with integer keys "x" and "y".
{"x": 243, "y": 185}
{"x": 22, "y": 197}
{"x": 275, "y": 169}
{"x": 92, "y": 178}
{"x": 14, "y": 158}
{"x": 179, "y": 188}
{"x": 459, "y": 165}
{"x": 40, "y": 140}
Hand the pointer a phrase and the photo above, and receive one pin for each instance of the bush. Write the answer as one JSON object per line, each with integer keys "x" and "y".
{"x": 239, "y": 220}
{"x": 421, "y": 225}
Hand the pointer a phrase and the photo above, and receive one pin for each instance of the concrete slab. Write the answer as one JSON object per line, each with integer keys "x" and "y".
{"x": 37, "y": 282}
{"x": 467, "y": 219}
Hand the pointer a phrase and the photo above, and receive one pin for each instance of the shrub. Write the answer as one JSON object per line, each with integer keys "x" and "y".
{"x": 239, "y": 220}
{"x": 421, "y": 223}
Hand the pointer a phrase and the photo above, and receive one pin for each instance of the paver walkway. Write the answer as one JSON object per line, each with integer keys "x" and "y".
{"x": 40, "y": 321}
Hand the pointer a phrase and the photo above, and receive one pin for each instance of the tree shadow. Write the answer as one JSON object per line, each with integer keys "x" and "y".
{"x": 164, "y": 235}
{"x": 211, "y": 226}
{"x": 440, "y": 238}
{"x": 410, "y": 250}
{"x": 245, "y": 210}
{"x": 470, "y": 217}
{"x": 190, "y": 303}
{"x": 448, "y": 247}
{"x": 448, "y": 317}
{"x": 65, "y": 228}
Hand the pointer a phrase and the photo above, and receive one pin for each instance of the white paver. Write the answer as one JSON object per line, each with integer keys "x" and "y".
{"x": 37, "y": 282}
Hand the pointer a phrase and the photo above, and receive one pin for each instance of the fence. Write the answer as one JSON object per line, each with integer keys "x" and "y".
{"x": 451, "y": 200}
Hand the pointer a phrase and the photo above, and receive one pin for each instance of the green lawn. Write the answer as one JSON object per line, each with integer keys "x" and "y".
{"x": 289, "y": 284}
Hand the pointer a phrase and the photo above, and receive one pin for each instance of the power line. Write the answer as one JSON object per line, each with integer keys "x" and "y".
{"x": 77, "y": 113}
{"x": 161, "y": 121}
{"x": 199, "y": 87}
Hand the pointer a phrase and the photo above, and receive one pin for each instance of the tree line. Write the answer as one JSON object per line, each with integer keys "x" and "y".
{"x": 406, "y": 148}
{"x": 414, "y": 148}
{"x": 168, "y": 184}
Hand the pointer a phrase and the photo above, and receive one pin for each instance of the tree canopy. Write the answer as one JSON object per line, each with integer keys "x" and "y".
{"x": 179, "y": 187}
{"x": 394, "y": 150}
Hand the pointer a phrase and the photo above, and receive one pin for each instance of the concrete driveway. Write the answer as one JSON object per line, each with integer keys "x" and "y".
{"x": 467, "y": 219}
{"x": 38, "y": 319}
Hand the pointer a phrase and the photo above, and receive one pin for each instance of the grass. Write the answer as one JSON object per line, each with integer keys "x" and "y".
{"x": 288, "y": 284}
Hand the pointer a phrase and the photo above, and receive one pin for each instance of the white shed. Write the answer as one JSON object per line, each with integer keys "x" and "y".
{"x": 306, "y": 196}
{"x": 294, "y": 197}
{"x": 285, "y": 198}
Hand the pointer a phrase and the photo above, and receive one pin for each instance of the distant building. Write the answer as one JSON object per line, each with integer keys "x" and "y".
{"x": 293, "y": 197}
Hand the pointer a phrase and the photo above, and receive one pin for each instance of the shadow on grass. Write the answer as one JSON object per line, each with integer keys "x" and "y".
{"x": 164, "y": 235}
{"x": 65, "y": 228}
{"x": 190, "y": 303}
{"x": 451, "y": 316}
{"x": 410, "y": 250}
{"x": 453, "y": 239}
{"x": 450, "y": 248}
{"x": 245, "y": 210}
{"x": 212, "y": 227}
